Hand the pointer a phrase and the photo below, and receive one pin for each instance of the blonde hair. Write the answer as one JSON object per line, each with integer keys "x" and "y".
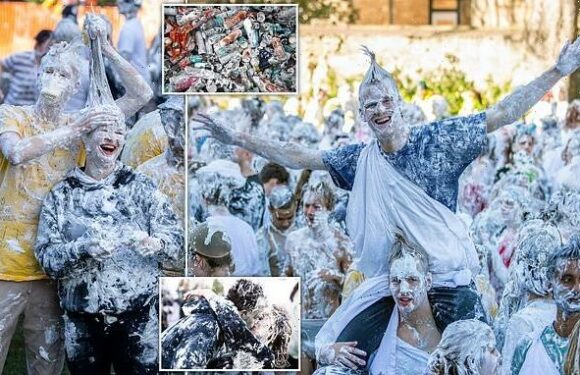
{"x": 461, "y": 349}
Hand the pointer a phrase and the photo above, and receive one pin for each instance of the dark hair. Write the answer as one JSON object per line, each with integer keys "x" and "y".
{"x": 214, "y": 262}
{"x": 570, "y": 251}
{"x": 273, "y": 170}
{"x": 70, "y": 10}
{"x": 245, "y": 294}
{"x": 42, "y": 36}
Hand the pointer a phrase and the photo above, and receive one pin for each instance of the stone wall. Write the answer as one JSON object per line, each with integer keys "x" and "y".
{"x": 503, "y": 55}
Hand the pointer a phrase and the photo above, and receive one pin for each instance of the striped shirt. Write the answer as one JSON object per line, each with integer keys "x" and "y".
{"x": 23, "y": 88}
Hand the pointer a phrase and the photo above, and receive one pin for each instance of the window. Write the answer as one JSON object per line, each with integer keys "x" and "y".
{"x": 444, "y": 12}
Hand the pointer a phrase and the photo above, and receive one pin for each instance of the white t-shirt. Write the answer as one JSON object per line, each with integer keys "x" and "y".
{"x": 528, "y": 321}
{"x": 132, "y": 44}
{"x": 245, "y": 251}
{"x": 410, "y": 360}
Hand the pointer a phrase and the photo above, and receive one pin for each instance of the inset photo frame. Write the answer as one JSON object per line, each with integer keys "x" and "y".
{"x": 229, "y": 323}
{"x": 230, "y": 49}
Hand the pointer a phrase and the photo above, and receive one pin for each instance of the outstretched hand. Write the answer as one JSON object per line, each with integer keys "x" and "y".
{"x": 569, "y": 58}
{"x": 219, "y": 131}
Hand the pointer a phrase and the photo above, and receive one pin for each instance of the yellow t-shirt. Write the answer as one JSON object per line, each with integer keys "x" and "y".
{"x": 22, "y": 190}
{"x": 352, "y": 280}
{"x": 146, "y": 140}
{"x": 171, "y": 182}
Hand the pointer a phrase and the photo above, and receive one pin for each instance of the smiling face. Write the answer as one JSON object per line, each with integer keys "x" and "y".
{"x": 105, "y": 143}
{"x": 566, "y": 285}
{"x": 282, "y": 218}
{"x": 409, "y": 283}
{"x": 380, "y": 108}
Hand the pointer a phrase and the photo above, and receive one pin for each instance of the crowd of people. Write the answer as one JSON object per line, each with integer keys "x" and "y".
{"x": 449, "y": 247}
{"x": 86, "y": 231}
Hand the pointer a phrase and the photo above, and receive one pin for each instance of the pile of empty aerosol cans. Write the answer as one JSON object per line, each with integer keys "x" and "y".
{"x": 230, "y": 49}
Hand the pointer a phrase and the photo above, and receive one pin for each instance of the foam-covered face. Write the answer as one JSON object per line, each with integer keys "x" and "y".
{"x": 508, "y": 207}
{"x": 314, "y": 209}
{"x": 173, "y": 123}
{"x": 408, "y": 283}
{"x": 566, "y": 286}
{"x": 380, "y": 109}
{"x": 57, "y": 81}
{"x": 282, "y": 218}
{"x": 525, "y": 143}
{"x": 105, "y": 143}
{"x": 491, "y": 361}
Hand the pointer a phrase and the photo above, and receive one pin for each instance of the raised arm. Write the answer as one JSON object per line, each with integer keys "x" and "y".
{"x": 288, "y": 154}
{"x": 137, "y": 91}
{"x": 18, "y": 150}
{"x": 516, "y": 104}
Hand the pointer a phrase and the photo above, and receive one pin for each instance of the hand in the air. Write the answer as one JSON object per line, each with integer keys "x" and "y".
{"x": 569, "y": 59}
{"x": 219, "y": 131}
{"x": 345, "y": 354}
{"x": 96, "y": 27}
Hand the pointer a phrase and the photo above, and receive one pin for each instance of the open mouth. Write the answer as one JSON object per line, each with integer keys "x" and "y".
{"x": 383, "y": 120}
{"x": 49, "y": 96}
{"x": 405, "y": 301}
{"x": 108, "y": 149}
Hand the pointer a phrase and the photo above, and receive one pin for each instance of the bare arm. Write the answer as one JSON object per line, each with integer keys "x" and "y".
{"x": 522, "y": 99}
{"x": 18, "y": 150}
{"x": 288, "y": 154}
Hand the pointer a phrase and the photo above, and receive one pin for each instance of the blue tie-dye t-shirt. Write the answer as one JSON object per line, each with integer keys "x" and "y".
{"x": 433, "y": 158}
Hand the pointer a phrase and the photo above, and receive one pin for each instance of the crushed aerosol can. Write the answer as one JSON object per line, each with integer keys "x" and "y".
{"x": 230, "y": 48}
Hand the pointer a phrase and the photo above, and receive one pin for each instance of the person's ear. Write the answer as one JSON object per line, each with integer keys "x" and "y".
{"x": 428, "y": 281}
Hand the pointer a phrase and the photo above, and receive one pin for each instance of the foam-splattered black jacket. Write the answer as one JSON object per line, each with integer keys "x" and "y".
{"x": 209, "y": 337}
{"x": 116, "y": 213}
